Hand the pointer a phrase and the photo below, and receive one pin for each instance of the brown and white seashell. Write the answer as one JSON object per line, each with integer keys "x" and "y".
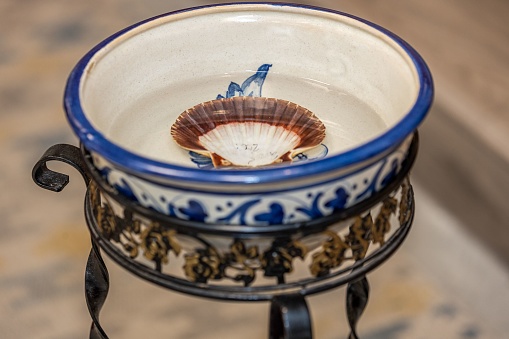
{"x": 248, "y": 131}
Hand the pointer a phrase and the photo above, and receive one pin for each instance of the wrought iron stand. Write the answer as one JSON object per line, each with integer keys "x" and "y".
{"x": 339, "y": 249}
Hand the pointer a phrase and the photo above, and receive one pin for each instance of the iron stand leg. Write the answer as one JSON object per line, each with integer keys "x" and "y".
{"x": 289, "y": 318}
{"x": 357, "y": 295}
{"x": 96, "y": 289}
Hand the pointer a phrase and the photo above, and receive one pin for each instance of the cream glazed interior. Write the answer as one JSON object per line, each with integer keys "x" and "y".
{"x": 358, "y": 82}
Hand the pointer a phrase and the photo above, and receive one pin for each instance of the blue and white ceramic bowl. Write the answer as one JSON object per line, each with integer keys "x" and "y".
{"x": 370, "y": 89}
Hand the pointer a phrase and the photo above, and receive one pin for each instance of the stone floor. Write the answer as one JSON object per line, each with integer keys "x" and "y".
{"x": 449, "y": 280}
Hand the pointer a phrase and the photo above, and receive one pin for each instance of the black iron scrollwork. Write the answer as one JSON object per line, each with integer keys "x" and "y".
{"x": 96, "y": 273}
{"x": 278, "y": 259}
{"x": 363, "y": 232}
{"x": 54, "y": 181}
{"x": 143, "y": 233}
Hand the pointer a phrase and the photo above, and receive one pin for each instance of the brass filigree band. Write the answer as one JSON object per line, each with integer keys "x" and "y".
{"x": 241, "y": 261}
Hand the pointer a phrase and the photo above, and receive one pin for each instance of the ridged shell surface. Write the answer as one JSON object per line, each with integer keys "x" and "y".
{"x": 248, "y": 131}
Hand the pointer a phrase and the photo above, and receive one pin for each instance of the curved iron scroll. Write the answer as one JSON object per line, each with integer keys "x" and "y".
{"x": 54, "y": 181}
{"x": 96, "y": 274}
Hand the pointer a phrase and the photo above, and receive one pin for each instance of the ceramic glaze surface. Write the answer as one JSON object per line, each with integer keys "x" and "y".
{"x": 345, "y": 74}
{"x": 370, "y": 89}
{"x": 350, "y": 122}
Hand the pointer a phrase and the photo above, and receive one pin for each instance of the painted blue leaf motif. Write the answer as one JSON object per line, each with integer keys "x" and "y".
{"x": 275, "y": 216}
{"x": 195, "y": 211}
{"x": 392, "y": 173}
{"x": 124, "y": 189}
{"x": 105, "y": 172}
{"x": 316, "y": 153}
{"x": 371, "y": 188}
{"x": 171, "y": 210}
{"x": 313, "y": 211}
{"x": 234, "y": 90}
{"x": 200, "y": 160}
{"x": 240, "y": 211}
{"x": 339, "y": 202}
{"x": 251, "y": 87}
{"x": 300, "y": 157}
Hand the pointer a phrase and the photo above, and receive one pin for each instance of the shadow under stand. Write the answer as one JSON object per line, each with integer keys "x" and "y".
{"x": 234, "y": 262}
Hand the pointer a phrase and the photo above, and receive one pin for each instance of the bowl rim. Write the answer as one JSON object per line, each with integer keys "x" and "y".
{"x": 141, "y": 166}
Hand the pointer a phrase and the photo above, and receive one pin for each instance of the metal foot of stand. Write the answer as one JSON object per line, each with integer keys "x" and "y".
{"x": 289, "y": 314}
{"x": 289, "y": 318}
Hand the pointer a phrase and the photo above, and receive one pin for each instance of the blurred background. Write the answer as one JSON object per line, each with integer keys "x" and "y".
{"x": 449, "y": 280}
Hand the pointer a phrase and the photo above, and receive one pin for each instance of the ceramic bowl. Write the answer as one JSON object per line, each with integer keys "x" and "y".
{"x": 368, "y": 88}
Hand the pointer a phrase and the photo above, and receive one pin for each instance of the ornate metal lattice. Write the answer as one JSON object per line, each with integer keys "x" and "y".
{"x": 342, "y": 256}
{"x": 241, "y": 261}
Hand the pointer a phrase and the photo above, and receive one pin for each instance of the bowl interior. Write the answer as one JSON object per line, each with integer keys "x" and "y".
{"x": 358, "y": 81}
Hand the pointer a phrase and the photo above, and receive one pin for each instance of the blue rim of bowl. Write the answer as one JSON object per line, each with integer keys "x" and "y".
{"x": 138, "y": 165}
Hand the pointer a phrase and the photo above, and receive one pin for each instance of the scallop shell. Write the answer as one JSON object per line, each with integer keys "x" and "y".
{"x": 248, "y": 131}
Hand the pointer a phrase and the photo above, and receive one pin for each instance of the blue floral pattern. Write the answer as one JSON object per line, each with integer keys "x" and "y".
{"x": 269, "y": 208}
{"x": 123, "y": 188}
{"x": 313, "y": 211}
{"x": 339, "y": 202}
{"x": 194, "y": 211}
{"x": 275, "y": 216}
{"x": 371, "y": 185}
{"x": 251, "y": 87}
{"x": 239, "y": 212}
